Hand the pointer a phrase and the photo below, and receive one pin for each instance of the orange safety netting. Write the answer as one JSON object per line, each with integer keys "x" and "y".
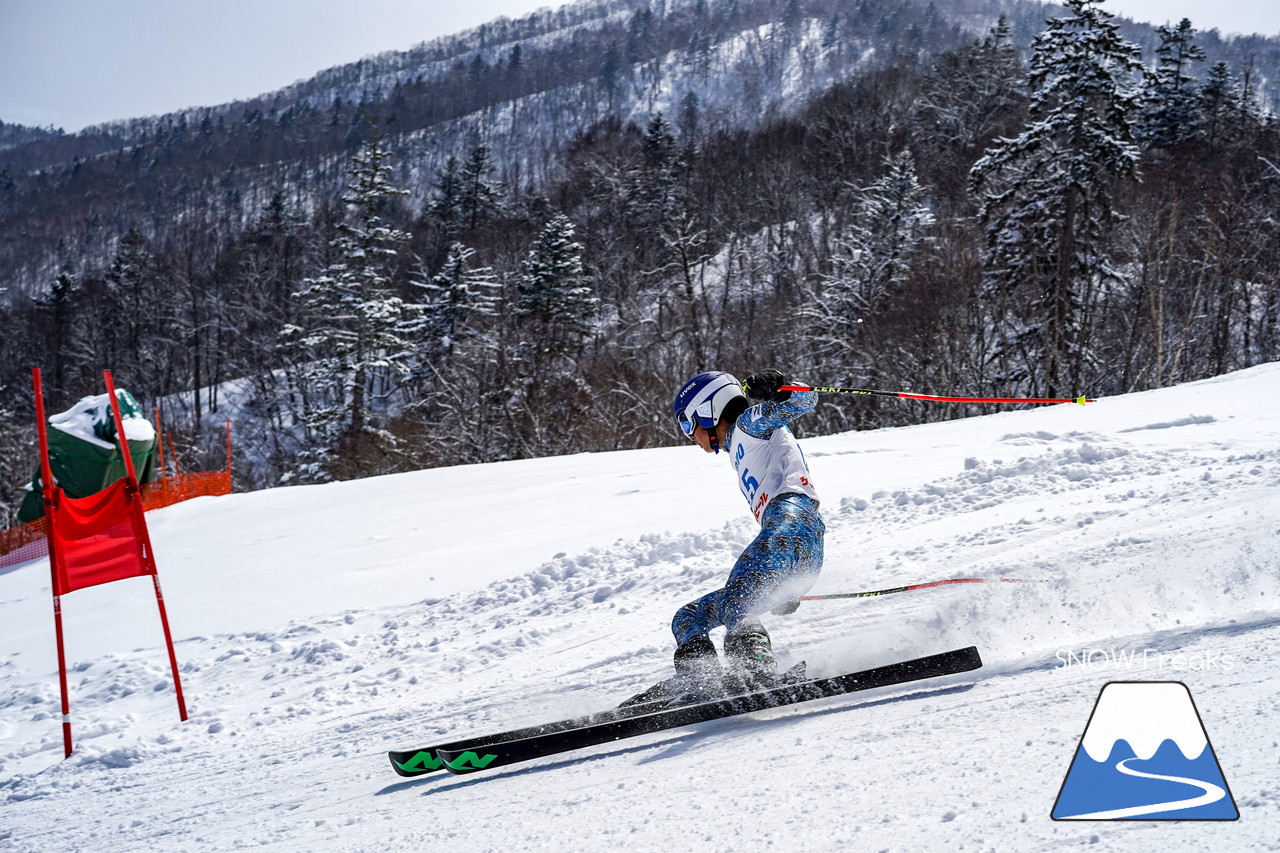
{"x": 183, "y": 487}
{"x": 29, "y": 541}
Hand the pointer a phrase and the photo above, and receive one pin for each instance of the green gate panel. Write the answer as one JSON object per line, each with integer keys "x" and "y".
{"x": 83, "y": 454}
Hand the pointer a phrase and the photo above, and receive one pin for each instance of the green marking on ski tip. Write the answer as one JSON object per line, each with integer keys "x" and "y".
{"x": 470, "y": 758}
{"x": 1082, "y": 400}
{"x": 421, "y": 762}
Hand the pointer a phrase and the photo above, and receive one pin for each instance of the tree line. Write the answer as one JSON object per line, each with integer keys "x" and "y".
{"x": 1081, "y": 220}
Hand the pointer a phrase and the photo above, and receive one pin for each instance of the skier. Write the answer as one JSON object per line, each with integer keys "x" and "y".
{"x": 784, "y": 559}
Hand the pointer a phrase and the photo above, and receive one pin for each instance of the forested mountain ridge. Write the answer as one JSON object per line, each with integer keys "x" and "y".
{"x": 526, "y": 88}
{"x": 574, "y": 209}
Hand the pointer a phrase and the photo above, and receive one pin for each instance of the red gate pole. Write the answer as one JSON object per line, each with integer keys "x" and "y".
{"x": 173, "y": 455}
{"x": 140, "y": 530}
{"x": 159, "y": 444}
{"x": 164, "y": 478}
{"x": 49, "y": 493}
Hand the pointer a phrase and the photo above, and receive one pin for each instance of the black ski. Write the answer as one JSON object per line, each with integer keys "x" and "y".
{"x": 511, "y": 747}
{"x": 417, "y": 762}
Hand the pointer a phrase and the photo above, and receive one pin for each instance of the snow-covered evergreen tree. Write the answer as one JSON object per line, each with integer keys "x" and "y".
{"x": 1171, "y": 98}
{"x": 456, "y": 297}
{"x": 653, "y": 192}
{"x": 1228, "y": 111}
{"x": 16, "y": 459}
{"x": 890, "y": 223}
{"x": 556, "y": 299}
{"x": 479, "y": 194}
{"x": 128, "y": 295}
{"x": 548, "y": 386}
{"x": 445, "y": 204}
{"x": 465, "y": 195}
{"x": 66, "y": 336}
{"x": 891, "y": 219}
{"x": 1217, "y": 97}
{"x": 1046, "y": 196}
{"x": 463, "y": 371}
{"x": 352, "y": 343}
{"x": 965, "y": 101}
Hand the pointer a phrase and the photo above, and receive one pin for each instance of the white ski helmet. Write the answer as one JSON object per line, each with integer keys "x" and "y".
{"x": 702, "y": 400}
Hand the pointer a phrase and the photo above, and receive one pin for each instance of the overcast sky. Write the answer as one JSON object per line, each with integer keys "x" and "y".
{"x": 73, "y": 63}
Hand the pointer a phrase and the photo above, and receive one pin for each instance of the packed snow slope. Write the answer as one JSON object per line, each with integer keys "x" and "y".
{"x": 318, "y": 627}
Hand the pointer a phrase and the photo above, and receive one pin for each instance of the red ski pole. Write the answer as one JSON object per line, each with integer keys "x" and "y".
{"x": 913, "y": 586}
{"x": 907, "y": 395}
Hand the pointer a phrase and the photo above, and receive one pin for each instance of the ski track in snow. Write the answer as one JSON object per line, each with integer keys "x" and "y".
{"x": 1155, "y": 524}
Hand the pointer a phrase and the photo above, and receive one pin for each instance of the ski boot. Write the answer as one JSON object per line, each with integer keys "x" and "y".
{"x": 749, "y": 652}
{"x": 698, "y": 676}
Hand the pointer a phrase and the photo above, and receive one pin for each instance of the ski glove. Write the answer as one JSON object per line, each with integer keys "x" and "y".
{"x": 764, "y": 386}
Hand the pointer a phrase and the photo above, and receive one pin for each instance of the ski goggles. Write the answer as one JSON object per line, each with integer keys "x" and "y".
{"x": 701, "y": 416}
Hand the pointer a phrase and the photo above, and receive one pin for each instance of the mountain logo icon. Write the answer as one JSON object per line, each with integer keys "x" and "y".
{"x": 1145, "y": 755}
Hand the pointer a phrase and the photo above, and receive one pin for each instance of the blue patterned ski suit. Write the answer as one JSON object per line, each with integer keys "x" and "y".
{"x": 784, "y": 560}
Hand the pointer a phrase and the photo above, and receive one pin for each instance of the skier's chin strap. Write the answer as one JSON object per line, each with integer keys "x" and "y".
{"x": 712, "y": 442}
{"x": 715, "y": 443}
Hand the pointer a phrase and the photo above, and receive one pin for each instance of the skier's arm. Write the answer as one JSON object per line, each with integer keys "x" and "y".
{"x": 762, "y": 419}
